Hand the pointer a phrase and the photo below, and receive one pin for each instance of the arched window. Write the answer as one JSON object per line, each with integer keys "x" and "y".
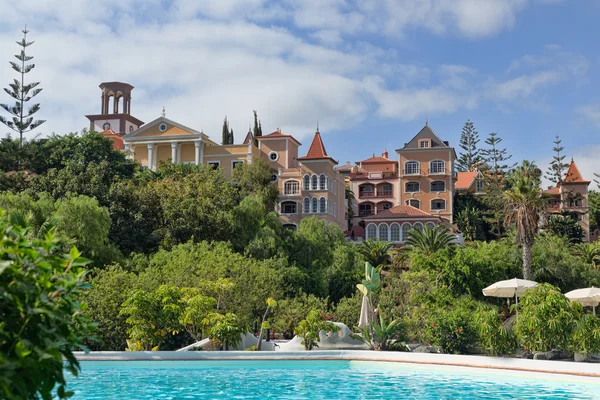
{"x": 322, "y": 182}
{"x": 438, "y": 186}
{"x": 438, "y": 204}
{"x": 412, "y": 187}
{"x": 306, "y": 182}
{"x": 418, "y": 226}
{"x": 383, "y": 232}
{"x": 395, "y": 232}
{"x": 406, "y": 227}
{"x": 291, "y": 187}
{"x": 437, "y": 167}
{"x": 430, "y": 225}
{"x": 323, "y": 205}
{"x": 306, "y": 206}
{"x": 292, "y": 227}
{"x": 315, "y": 205}
{"x": 371, "y": 232}
{"x": 315, "y": 183}
{"x": 414, "y": 203}
{"x": 412, "y": 168}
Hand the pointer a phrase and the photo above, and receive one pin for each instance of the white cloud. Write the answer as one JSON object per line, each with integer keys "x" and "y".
{"x": 591, "y": 112}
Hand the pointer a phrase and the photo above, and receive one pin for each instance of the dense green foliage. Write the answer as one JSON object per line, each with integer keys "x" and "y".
{"x": 310, "y": 329}
{"x": 41, "y": 317}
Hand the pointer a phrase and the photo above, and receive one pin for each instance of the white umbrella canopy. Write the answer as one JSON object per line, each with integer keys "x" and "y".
{"x": 509, "y": 288}
{"x": 588, "y": 297}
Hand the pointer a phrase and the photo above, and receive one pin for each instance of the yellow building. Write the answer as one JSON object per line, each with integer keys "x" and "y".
{"x": 309, "y": 185}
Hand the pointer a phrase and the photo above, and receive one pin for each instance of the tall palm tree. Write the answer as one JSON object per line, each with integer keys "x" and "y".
{"x": 429, "y": 241}
{"x": 375, "y": 252}
{"x": 524, "y": 204}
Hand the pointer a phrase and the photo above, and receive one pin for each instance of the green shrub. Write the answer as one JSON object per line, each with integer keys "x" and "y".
{"x": 493, "y": 335}
{"x": 546, "y": 319}
{"x": 310, "y": 328}
{"x": 453, "y": 329}
{"x": 586, "y": 337}
{"x": 347, "y": 310}
{"x": 381, "y": 335}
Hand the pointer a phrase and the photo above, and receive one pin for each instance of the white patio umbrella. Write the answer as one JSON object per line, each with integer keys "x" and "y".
{"x": 509, "y": 288}
{"x": 588, "y": 297}
{"x": 363, "y": 321}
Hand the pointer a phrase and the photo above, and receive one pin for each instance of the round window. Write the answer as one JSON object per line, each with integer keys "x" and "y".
{"x": 273, "y": 178}
{"x": 162, "y": 127}
{"x": 106, "y": 126}
{"x": 273, "y": 156}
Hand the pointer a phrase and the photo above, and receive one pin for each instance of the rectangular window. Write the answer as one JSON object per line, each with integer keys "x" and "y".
{"x": 235, "y": 164}
{"x": 578, "y": 203}
{"x": 213, "y": 164}
{"x": 412, "y": 187}
{"x": 479, "y": 186}
{"x": 289, "y": 208}
{"x": 424, "y": 144}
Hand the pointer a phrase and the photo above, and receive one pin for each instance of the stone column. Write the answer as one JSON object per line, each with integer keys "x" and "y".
{"x": 198, "y": 147}
{"x": 132, "y": 152}
{"x": 174, "y": 152}
{"x": 150, "y": 158}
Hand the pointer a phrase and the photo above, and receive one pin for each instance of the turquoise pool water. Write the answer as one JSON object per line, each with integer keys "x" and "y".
{"x": 315, "y": 380}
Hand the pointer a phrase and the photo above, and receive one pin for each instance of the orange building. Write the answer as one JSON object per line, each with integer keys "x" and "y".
{"x": 571, "y": 195}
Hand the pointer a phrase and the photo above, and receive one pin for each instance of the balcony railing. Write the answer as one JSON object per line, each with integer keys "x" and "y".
{"x": 372, "y": 194}
{"x": 366, "y": 213}
{"x": 374, "y": 175}
{"x": 437, "y": 171}
{"x": 411, "y": 172}
{"x": 431, "y": 171}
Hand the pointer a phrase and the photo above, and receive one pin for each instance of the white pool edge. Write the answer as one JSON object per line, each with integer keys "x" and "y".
{"x": 500, "y": 363}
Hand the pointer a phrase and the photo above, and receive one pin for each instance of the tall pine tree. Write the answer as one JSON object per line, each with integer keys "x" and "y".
{"x": 469, "y": 159}
{"x": 231, "y": 136}
{"x": 494, "y": 173}
{"x": 557, "y": 166}
{"x": 21, "y": 120}
{"x": 225, "y": 132}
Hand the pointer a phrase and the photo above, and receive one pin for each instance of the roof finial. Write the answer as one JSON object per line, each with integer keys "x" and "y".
{"x": 426, "y": 120}
{"x": 572, "y": 158}
{"x": 278, "y": 130}
{"x": 164, "y": 112}
{"x": 317, "y": 125}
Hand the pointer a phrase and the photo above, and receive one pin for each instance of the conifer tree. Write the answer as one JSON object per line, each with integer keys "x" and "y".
{"x": 21, "y": 120}
{"x": 257, "y": 130}
{"x": 470, "y": 158}
{"x": 231, "y": 136}
{"x": 225, "y": 132}
{"x": 494, "y": 172}
{"x": 557, "y": 166}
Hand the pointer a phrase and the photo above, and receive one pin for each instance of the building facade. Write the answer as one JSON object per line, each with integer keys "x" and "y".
{"x": 308, "y": 185}
{"x": 571, "y": 197}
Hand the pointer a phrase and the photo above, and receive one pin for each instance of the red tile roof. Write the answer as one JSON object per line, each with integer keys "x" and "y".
{"x": 573, "y": 175}
{"x": 553, "y": 191}
{"x": 278, "y": 134}
{"x": 316, "y": 150}
{"x": 377, "y": 159}
{"x": 117, "y": 140}
{"x": 465, "y": 180}
{"x": 400, "y": 212}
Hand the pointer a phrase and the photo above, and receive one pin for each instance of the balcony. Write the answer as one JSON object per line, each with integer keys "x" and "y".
{"x": 366, "y": 213}
{"x": 377, "y": 194}
{"x": 411, "y": 172}
{"x": 438, "y": 171}
{"x": 373, "y": 175}
{"x": 428, "y": 172}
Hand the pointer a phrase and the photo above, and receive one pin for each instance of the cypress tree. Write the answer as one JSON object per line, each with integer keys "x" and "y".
{"x": 21, "y": 120}
{"x": 225, "y": 132}
{"x": 469, "y": 159}
{"x": 557, "y": 166}
{"x": 257, "y": 130}
{"x": 231, "y": 136}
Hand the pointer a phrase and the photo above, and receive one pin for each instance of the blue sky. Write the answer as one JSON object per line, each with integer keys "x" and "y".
{"x": 369, "y": 71}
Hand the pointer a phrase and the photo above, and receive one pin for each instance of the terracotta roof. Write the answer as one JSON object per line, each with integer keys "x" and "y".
{"x": 553, "y": 191}
{"x": 345, "y": 168}
{"x": 117, "y": 140}
{"x": 465, "y": 180}
{"x": 316, "y": 150}
{"x": 377, "y": 159}
{"x": 399, "y": 212}
{"x": 249, "y": 138}
{"x": 573, "y": 175}
{"x": 278, "y": 134}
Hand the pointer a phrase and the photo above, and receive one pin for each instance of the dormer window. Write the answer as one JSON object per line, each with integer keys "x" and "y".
{"x": 424, "y": 144}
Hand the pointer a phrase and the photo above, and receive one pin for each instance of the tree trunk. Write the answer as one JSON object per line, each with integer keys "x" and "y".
{"x": 527, "y": 261}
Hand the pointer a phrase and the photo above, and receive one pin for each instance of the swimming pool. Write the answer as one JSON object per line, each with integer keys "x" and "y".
{"x": 322, "y": 379}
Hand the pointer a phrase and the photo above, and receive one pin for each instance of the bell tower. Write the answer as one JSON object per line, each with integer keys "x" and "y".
{"x": 115, "y": 110}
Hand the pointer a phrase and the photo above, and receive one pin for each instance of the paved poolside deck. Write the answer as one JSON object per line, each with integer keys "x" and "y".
{"x": 501, "y": 363}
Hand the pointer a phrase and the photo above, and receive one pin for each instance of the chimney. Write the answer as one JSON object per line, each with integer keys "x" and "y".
{"x": 385, "y": 154}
